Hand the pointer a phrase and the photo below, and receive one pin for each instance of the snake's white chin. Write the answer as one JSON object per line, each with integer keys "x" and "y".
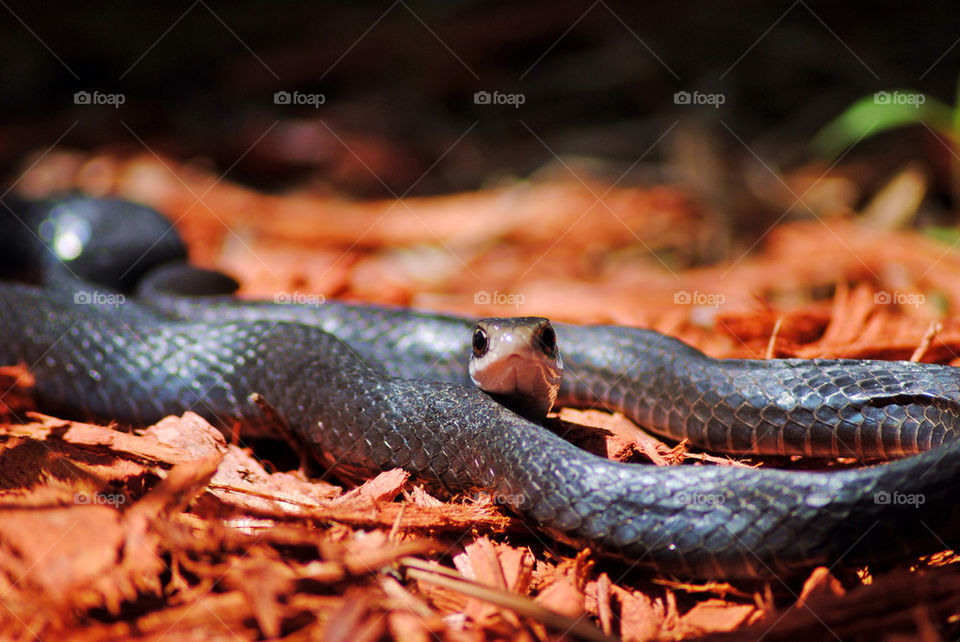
{"x": 504, "y": 376}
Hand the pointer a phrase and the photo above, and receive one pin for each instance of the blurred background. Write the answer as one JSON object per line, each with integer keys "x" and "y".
{"x": 551, "y": 150}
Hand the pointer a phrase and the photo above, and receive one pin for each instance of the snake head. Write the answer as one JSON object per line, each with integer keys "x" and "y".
{"x": 516, "y": 359}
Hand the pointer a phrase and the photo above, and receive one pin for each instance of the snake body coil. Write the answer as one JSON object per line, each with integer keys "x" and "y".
{"x": 136, "y": 363}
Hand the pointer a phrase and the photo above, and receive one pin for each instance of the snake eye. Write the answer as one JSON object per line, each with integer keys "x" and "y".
{"x": 548, "y": 339}
{"x": 480, "y": 342}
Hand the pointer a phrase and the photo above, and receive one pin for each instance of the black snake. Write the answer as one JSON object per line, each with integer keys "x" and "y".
{"x": 371, "y": 388}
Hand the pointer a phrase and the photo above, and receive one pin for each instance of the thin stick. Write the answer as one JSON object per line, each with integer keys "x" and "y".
{"x": 932, "y": 331}
{"x": 519, "y": 604}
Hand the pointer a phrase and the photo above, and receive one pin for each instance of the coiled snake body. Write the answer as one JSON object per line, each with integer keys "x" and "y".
{"x": 372, "y": 388}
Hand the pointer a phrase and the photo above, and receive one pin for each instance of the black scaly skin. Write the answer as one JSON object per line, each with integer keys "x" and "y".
{"x": 817, "y": 407}
{"x": 131, "y": 364}
{"x": 136, "y": 363}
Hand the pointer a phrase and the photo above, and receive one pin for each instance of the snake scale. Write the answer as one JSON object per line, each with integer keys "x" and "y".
{"x": 371, "y": 388}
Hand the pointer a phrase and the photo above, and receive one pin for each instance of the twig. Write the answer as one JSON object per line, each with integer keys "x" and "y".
{"x": 519, "y": 604}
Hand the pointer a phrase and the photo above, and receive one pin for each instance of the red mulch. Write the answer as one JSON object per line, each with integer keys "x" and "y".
{"x": 171, "y": 531}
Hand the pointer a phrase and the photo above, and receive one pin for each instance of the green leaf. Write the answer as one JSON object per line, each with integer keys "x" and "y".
{"x": 880, "y": 112}
{"x": 949, "y": 235}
